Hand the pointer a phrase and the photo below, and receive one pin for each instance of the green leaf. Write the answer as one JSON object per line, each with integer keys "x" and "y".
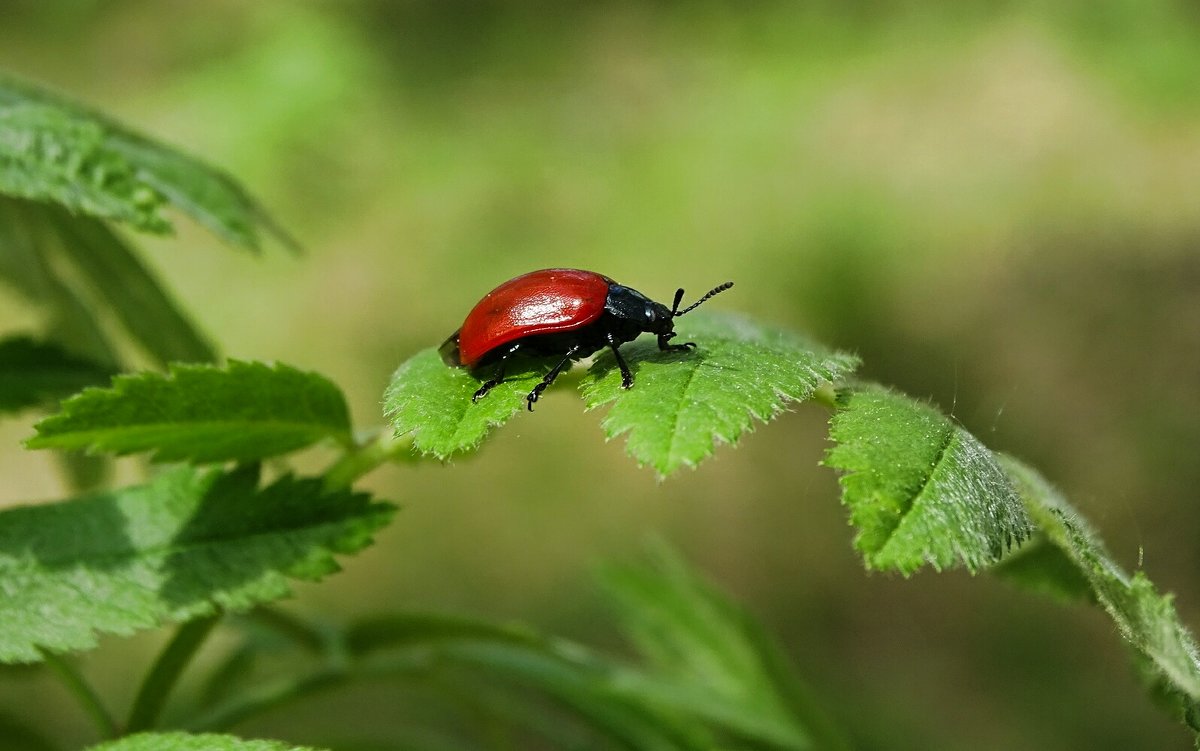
{"x": 1040, "y": 566}
{"x": 48, "y": 153}
{"x": 602, "y": 693}
{"x": 183, "y": 546}
{"x": 683, "y": 402}
{"x": 20, "y": 735}
{"x": 1146, "y": 619}
{"x": 919, "y": 488}
{"x": 177, "y": 741}
{"x": 72, "y": 265}
{"x": 27, "y": 241}
{"x": 112, "y": 269}
{"x": 33, "y": 373}
{"x": 708, "y": 658}
{"x": 201, "y": 413}
{"x": 432, "y": 401}
{"x": 57, "y": 151}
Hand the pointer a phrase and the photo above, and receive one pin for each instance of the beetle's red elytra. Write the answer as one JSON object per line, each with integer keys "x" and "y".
{"x": 563, "y": 313}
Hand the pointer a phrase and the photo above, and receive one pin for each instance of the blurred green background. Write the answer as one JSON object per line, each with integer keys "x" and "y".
{"x": 997, "y": 205}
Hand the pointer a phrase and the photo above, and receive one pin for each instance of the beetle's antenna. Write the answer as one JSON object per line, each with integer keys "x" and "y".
{"x": 693, "y": 306}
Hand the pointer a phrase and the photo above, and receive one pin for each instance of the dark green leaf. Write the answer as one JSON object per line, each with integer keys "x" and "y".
{"x": 19, "y": 735}
{"x": 201, "y": 413}
{"x": 188, "y": 742}
{"x": 1146, "y": 619}
{"x": 177, "y": 548}
{"x": 35, "y": 374}
{"x": 1041, "y": 566}
{"x": 708, "y": 659}
{"x": 919, "y": 488}
{"x": 600, "y": 692}
{"x": 54, "y": 150}
{"x": 682, "y": 403}
{"x": 28, "y": 242}
{"x": 117, "y": 275}
{"x": 433, "y": 402}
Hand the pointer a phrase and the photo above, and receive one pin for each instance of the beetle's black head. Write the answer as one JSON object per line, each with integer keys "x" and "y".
{"x": 634, "y": 313}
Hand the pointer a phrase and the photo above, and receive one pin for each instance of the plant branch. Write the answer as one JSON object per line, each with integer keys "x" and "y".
{"x": 365, "y": 457}
{"x": 333, "y": 673}
{"x": 166, "y": 671}
{"x": 83, "y": 692}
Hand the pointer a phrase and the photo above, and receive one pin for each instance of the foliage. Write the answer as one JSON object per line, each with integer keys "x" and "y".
{"x": 243, "y": 412}
{"x": 55, "y": 151}
{"x": 919, "y": 488}
{"x": 192, "y": 742}
{"x": 34, "y": 373}
{"x": 183, "y": 545}
{"x": 194, "y": 542}
{"x": 684, "y": 402}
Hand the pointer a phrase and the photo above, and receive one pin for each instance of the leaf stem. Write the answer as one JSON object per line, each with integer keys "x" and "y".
{"x": 166, "y": 671}
{"x": 332, "y": 673}
{"x": 83, "y": 692}
{"x": 826, "y": 394}
{"x": 365, "y": 457}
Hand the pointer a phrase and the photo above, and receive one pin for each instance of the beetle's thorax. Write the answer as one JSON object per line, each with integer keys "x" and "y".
{"x": 632, "y": 313}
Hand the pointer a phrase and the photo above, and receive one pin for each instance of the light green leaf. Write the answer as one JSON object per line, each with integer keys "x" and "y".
{"x": 1148, "y": 620}
{"x": 432, "y": 401}
{"x": 34, "y": 374}
{"x": 176, "y": 741}
{"x": 54, "y": 150}
{"x": 202, "y": 413}
{"x": 919, "y": 488}
{"x": 682, "y": 403}
{"x": 184, "y": 545}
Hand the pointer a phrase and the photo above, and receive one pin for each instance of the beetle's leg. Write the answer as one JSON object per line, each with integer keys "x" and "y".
{"x": 626, "y": 375}
{"x": 498, "y": 377}
{"x": 549, "y": 377}
{"x": 664, "y": 338}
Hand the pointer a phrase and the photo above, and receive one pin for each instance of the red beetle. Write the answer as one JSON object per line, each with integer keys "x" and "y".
{"x": 567, "y": 313}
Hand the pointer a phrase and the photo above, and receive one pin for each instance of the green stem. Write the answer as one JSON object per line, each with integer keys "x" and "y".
{"x": 366, "y": 457}
{"x": 166, "y": 671}
{"x": 826, "y": 394}
{"x": 83, "y": 692}
{"x": 267, "y": 697}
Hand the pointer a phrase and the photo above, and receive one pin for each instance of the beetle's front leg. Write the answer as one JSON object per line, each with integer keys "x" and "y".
{"x": 665, "y": 347}
{"x": 626, "y": 374}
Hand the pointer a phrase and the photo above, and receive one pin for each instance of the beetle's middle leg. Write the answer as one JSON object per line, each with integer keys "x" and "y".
{"x": 549, "y": 377}
{"x": 498, "y": 377}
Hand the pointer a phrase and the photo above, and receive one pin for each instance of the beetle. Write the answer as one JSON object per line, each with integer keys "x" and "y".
{"x": 564, "y": 313}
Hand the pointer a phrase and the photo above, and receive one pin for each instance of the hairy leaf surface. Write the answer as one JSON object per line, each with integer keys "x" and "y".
{"x": 683, "y": 403}
{"x": 245, "y": 411}
{"x": 1148, "y": 620}
{"x": 432, "y": 401}
{"x": 186, "y": 544}
{"x": 920, "y": 489}
{"x": 177, "y": 741}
